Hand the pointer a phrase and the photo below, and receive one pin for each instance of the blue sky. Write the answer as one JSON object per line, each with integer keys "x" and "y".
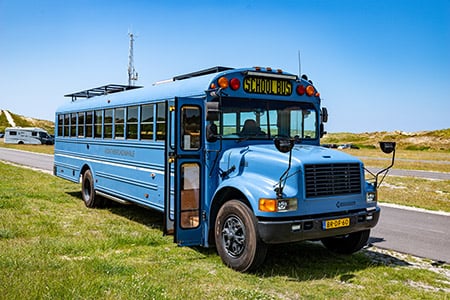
{"x": 379, "y": 65}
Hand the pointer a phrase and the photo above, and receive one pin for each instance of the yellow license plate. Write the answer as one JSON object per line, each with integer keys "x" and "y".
{"x": 336, "y": 223}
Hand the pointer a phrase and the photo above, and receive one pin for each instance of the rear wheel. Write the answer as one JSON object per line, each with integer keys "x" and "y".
{"x": 237, "y": 238}
{"x": 347, "y": 244}
{"x": 88, "y": 195}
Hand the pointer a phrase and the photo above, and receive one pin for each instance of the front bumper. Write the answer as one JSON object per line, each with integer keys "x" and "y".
{"x": 286, "y": 231}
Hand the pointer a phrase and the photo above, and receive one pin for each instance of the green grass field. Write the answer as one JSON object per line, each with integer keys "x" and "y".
{"x": 52, "y": 247}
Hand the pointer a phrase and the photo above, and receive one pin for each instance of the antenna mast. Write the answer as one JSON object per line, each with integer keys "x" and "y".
{"x": 132, "y": 74}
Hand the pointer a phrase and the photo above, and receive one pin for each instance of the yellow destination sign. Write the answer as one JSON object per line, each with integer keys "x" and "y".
{"x": 267, "y": 85}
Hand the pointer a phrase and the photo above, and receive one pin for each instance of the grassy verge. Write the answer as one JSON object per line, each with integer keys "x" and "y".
{"x": 405, "y": 159}
{"x": 423, "y": 193}
{"x": 52, "y": 247}
{"x": 46, "y": 149}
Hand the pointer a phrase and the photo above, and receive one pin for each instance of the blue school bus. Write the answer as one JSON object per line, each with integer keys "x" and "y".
{"x": 231, "y": 157}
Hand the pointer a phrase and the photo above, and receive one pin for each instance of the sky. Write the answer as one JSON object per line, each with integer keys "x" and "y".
{"x": 379, "y": 65}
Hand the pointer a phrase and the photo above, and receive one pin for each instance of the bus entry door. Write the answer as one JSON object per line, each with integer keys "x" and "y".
{"x": 188, "y": 158}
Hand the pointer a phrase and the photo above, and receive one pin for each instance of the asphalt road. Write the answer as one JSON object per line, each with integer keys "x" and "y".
{"x": 42, "y": 162}
{"x": 416, "y": 232}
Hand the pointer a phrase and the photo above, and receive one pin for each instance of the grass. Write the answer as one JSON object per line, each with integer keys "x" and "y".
{"x": 45, "y": 149}
{"x": 417, "y": 192}
{"x": 52, "y": 247}
{"x": 438, "y": 161}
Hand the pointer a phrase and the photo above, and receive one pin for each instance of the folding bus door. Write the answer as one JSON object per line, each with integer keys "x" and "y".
{"x": 186, "y": 157}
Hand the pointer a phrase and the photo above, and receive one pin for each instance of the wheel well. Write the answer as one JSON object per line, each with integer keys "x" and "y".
{"x": 83, "y": 169}
{"x": 224, "y": 195}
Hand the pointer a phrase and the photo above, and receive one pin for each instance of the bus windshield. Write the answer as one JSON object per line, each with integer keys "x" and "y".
{"x": 258, "y": 119}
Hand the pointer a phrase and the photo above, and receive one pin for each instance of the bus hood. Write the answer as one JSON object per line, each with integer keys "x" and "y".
{"x": 255, "y": 170}
{"x": 266, "y": 159}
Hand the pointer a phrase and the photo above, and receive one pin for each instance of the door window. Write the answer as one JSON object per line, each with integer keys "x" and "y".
{"x": 190, "y": 195}
{"x": 191, "y": 126}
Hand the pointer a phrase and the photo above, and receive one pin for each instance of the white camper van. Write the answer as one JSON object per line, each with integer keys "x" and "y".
{"x": 27, "y": 135}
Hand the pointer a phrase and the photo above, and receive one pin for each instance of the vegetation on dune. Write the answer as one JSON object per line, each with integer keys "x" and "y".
{"x": 437, "y": 140}
{"x": 22, "y": 121}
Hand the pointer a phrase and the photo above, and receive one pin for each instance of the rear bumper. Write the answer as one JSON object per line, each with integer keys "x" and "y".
{"x": 277, "y": 232}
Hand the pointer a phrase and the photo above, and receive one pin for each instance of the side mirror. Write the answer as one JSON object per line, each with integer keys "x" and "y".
{"x": 322, "y": 130}
{"x": 284, "y": 144}
{"x": 324, "y": 115}
{"x": 387, "y": 147}
{"x": 211, "y": 132}
{"x": 212, "y": 111}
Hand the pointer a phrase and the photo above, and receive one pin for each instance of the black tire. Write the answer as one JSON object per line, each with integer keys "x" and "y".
{"x": 237, "y": 238}
{"x": 88, "y": 195}
{"x": 347, "y": 244}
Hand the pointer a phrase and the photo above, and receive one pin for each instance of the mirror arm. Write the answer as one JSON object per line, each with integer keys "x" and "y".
{"x": 217, "y": 155}
{"x": 385, "y": 171}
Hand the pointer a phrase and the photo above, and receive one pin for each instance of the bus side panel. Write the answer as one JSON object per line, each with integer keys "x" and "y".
{"x": 130, "y": 171}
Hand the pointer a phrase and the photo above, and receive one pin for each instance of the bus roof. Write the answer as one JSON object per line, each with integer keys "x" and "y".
{"x": 188, "y": 85}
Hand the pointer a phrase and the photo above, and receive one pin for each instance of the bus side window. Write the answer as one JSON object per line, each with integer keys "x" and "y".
{"x": 191, "y": 126}
{"x": 108, "y": 124}
{"x": 119, "y": 123}
{"x": 60, "y": 125}
{"x": 73, "y": 124}
{"x": 81, "y": 124}
{"x": 132, "y": 122}
{"x": 161, "y": 122}
{"x": 147, "y": 122}
{"x": 89, "y": 131}
{"x": 98, "y": 121}
{"x": 66, "y": 124}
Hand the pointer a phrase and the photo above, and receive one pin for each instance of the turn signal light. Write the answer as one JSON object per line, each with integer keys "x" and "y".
{"x": 268, "y": 205}
{"x": 223, "y": 82}
{"x": 277, "y": 205}
{"x": 310, "y": 90}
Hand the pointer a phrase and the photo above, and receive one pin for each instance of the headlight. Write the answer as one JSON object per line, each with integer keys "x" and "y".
{"x": 277, "y": 205}
{"x": 371, "y": 197}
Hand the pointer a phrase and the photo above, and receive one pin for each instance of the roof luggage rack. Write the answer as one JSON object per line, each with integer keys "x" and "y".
{"x": 202, "y": 72}
{"x": 101, "y": 90}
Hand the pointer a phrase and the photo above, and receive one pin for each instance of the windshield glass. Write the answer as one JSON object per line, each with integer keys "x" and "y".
{"x": 254, "y": 119}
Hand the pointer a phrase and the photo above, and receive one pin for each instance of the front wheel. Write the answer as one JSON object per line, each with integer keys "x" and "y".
{"x": 237, "y": 238}
{"x": 347, "y": 244}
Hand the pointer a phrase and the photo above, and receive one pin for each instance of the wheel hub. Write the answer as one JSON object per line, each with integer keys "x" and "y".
{"x": 233, "y": 236}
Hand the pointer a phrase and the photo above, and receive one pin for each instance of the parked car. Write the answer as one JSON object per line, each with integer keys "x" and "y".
{"x": 348, "y": 146}
{"x": 334, "y": 146}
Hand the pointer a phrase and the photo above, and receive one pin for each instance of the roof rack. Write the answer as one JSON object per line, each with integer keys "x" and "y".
{"x": 101, "y": 90}
{"x": 202, "y": 72}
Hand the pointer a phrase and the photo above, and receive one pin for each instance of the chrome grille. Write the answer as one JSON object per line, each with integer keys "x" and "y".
{"x": 332, "y": 179}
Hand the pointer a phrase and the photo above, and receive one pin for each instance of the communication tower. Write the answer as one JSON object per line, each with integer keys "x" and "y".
{"x": 132, "y": 74}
